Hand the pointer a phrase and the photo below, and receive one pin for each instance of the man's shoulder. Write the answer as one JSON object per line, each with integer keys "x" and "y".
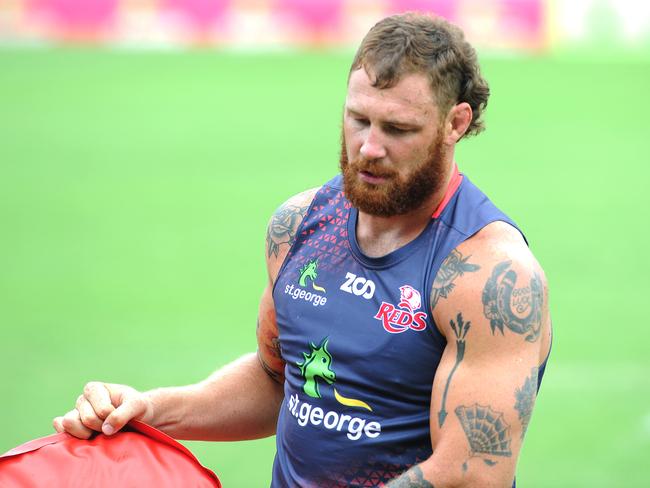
{"x": 496, "y": 235}
{"x": 302, "y": 199}
{"x": 283, "y": 227}
{"x": 500, "y": 242}
{"x": 493, "y": 261}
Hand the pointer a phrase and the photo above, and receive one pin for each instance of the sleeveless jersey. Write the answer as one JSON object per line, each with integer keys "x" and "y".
{"x": 360, "y": 346}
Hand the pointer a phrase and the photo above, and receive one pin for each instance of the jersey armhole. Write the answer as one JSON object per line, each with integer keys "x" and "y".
{"x": 295, "y": 241}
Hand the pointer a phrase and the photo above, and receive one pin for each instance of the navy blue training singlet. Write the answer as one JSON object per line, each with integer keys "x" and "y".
{"x": 360, "y": 346}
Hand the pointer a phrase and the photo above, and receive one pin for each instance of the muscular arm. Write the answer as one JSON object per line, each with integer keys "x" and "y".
{"x": 242, "y": 400}
{"x": 491, "y": 304}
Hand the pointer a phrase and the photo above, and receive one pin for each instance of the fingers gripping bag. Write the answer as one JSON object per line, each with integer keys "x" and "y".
{"x": 136, "y": 456}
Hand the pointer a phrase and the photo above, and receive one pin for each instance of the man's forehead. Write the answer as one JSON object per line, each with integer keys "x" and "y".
{"x": 411, "y": 93}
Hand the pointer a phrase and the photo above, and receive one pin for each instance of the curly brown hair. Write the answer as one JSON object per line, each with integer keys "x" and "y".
{"x": 418, "y": 43}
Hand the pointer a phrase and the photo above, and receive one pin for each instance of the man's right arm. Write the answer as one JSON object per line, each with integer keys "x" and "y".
{"x": 240, "y": 401}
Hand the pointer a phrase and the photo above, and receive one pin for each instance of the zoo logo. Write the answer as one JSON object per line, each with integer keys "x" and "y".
{"x": 358, "y": 285}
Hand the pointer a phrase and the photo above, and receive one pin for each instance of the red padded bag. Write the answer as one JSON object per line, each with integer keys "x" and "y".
{"x": 137, "y": 456}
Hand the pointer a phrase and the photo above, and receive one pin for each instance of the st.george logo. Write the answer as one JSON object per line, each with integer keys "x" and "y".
{"x": 315, "y": 367}
{"x": 358, "y": 285}
{"x": 307, "y": 276}
{"x": 318, "y": 364}
{"x": 406, "y": 315}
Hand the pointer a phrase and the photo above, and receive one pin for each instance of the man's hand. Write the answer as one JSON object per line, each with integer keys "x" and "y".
{"x": 104, "y": 407}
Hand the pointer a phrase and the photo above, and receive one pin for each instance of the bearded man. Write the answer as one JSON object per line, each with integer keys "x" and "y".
{"x": 404, "y": 329}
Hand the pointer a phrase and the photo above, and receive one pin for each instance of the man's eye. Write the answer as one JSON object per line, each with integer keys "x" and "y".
{"x": 361, "y": 121}
{"x": 391, "y": 129}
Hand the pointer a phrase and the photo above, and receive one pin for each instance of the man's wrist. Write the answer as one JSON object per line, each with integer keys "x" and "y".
{"x": 413, "y": 478}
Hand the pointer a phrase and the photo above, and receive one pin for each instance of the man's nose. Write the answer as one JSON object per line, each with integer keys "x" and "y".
{"x": 373, "y": 147}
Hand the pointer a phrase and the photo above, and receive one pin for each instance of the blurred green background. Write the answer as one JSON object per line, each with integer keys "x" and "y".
{"x": 135, "y": 188}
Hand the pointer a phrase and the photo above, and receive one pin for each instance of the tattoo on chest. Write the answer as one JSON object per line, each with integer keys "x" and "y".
{"x": 452, "y": 267}
{"x": 518, "y": 309}
{"x": 460, "y": 329}
{"x": 525, "y": 399}
{"x": 413, "y": 478}
{"x": 283, "y": 227}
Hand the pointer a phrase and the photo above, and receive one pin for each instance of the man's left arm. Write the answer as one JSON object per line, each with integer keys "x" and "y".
{"x": 493, "y": 312}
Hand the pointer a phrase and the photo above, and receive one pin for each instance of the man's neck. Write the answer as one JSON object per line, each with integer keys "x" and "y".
{"x": 378, "y": 236}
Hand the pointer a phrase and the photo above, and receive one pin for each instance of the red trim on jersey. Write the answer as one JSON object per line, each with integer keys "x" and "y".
{"x": 454, "y": 183}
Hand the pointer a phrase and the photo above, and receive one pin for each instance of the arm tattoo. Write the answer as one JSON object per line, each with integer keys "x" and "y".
{"x": 519, "y": 309}
{"x": 283, "y": 227}
{"x": 525, "y": 399}
{"x": 486, "y": 430}
{"x": 276, "y": 347}
{"x": 460, "y": 330}
{"x": 413, "y": 478}
{"x": 275, "y": 376}
{"x": 452, "y": 267}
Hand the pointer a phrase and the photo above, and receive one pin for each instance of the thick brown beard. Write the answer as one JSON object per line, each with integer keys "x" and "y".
{"x": 399, "y": 195}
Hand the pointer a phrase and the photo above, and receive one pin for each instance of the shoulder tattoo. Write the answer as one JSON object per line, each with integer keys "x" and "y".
{"x": 283, "y": 227}
{"x": 452, "y": 267}
{"x": 517, "y": 308}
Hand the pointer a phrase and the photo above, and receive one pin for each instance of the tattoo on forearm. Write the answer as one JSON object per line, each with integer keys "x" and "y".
{"x": 413, "y": 478}
{"x": 519, "y": 309}
{"x": 452, "y": 267}
{"x": 283, "y": 227}
{"x": 486, "y": 430}
{"x": 525, "y": 399}
{"x": 275, "y": 376}
{"x": 460, "y": 330}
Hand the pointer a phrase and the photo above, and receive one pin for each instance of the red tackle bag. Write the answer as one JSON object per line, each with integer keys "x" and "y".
{"x": 137, "y": 456}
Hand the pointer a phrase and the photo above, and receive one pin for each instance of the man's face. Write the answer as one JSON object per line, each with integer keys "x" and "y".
{"x": 392, "y": 152}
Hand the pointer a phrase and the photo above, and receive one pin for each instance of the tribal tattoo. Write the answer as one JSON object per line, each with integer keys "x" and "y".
{"x": 460, "y": 330}
{"x": 452, "y": 267}
{"x": 518, "y": 309}
{"x": 283, "y": 227}
{"x": 525, "y": 399}
{"x": 486, "y": 430}
{"x": 413, "y": 478}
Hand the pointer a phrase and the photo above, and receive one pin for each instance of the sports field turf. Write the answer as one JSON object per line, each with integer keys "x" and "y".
{"x": 135, "y": 189}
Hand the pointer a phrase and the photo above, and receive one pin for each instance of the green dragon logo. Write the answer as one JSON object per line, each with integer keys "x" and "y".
{"x": 318, "y": 364}
{"x": 310, "y": 270}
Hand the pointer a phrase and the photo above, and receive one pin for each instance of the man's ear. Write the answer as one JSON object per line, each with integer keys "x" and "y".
{"x": 457, "y": 122}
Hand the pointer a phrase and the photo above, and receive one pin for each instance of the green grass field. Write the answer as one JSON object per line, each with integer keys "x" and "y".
{"x": 135, "y": 190}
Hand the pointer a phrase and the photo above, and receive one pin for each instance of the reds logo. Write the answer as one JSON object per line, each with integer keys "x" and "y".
{"x": 409, "y": 298}
{"x": 397, "y": 320}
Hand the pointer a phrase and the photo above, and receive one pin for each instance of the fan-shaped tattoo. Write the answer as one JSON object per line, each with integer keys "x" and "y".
{"x": 518, "y": 309}
{"x": 485, "y": 429}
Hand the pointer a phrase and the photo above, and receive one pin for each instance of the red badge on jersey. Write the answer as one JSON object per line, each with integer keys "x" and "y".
{"x": 397, "y": 320}
{"x": 138, "y": 455}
